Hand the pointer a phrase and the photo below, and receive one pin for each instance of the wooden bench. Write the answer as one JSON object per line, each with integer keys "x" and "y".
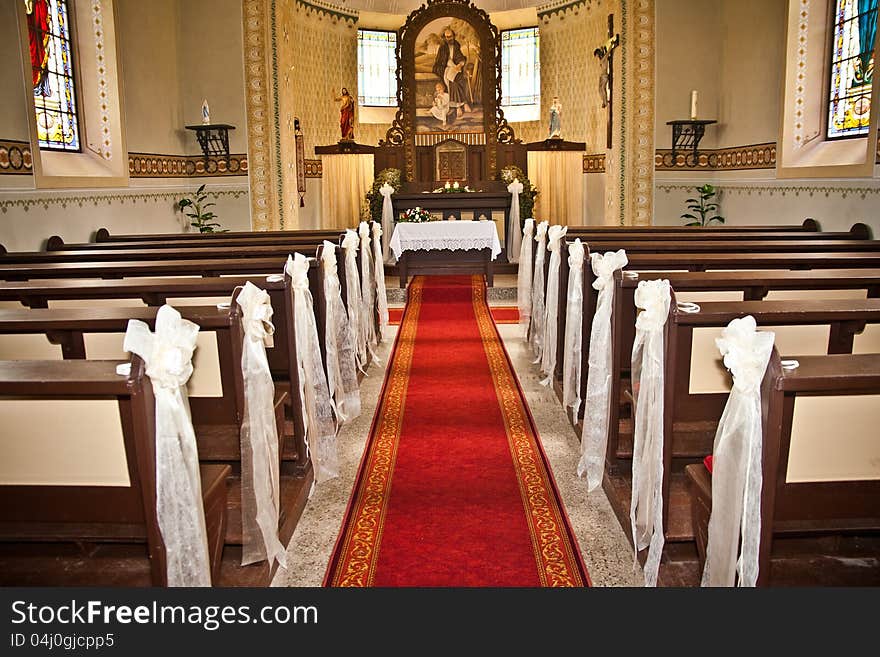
{"x": 857, "y": 231}
{"x": 103, "y": 235}
{"x": 60, "y": 527}
{"x": 216, "y": 418}
{"x": 56, "y": 243}
{"x": 819, "y": 527}
{"x": 690, "y": 419}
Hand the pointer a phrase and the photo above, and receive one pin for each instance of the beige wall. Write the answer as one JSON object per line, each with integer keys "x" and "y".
{"x": 752, "y": 58}
{"x": 211, "y": 67}
{"x": 13, "y": 111}
{"x": 151, "y": 69}
{"x": 688, "y": 58}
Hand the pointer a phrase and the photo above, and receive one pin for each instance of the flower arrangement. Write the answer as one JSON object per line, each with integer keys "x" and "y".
{"x": 527, "y": 195}
{"x": 374, "y": 198}
{"x": 452, "y": 188}
{"x": 415, "y": 215}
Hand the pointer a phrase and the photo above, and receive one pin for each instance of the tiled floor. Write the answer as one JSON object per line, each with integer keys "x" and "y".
{"x": 604, "y": 547}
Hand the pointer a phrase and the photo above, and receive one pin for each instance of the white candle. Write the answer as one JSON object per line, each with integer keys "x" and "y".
{"x": 694, "y": 104}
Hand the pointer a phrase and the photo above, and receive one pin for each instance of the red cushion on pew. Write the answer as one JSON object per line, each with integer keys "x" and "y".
{"x": 708, "y": 463}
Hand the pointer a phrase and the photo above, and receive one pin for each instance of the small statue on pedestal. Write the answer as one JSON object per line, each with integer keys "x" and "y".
{"x": 346, "y": 115}
{"x": 556, "y": 119}
{"x": 206, "y": 112}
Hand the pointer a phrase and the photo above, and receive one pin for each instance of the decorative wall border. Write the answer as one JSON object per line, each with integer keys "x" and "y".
{"x": 594, "y": 163}
{"x": 735, "y": 158}
{"x": 801, "y": 85}
{"x": 782, "y": 190}
{"x": 258, "y": 125}
{"x": 106, "y": 150}
{"x": 546, "y": 11}
{"x": 44, "y": 201}
{"x": 155, "y": 165}
{"x": 334, "y": 11}
{"x": 16, "y": 158}
{"x": 641, "y": 202}
{"x": 314, "y": 168}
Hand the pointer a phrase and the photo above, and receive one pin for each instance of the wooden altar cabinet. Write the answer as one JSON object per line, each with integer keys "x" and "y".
{"x": 445, "y": 247}
{"x": 462, "y": 205}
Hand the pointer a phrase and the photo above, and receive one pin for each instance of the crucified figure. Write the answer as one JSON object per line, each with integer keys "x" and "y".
{"x": 604, "y": 54}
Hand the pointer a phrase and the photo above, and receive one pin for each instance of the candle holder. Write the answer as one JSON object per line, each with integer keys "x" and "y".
{"x": 686, "y": 135}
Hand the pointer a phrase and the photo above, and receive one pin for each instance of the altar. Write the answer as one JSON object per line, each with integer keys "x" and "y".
{"x": 445, "y": 247}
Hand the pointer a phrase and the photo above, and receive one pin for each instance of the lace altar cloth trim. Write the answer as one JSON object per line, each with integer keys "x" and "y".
{"x": 450, "y": 235}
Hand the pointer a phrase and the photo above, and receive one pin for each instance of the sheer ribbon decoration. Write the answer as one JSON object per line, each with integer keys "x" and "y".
{"x": 350, "y": 244}
{"x": 386, "y": 191}
{"x": 368, "y": 289}
{"x": 574, "y": 314}
{"x": 317, "y": 408}
{"x": 646, "y": 504}
{"x": 515, "y": 188}
{"x": 736, "y": 464}
{"x": 379, "y": 275}
{"x": 596, "y": 404}
{"x": 260, "y": 478}
{"x": 339, "y": 341}
{"x": 555, "y": 236}
{"x": 537, "y": 330}
{"x": 167, "y": 355}
{"x": 524, "y": 276}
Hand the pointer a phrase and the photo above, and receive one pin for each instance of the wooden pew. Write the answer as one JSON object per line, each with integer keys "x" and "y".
{"x": 690, "y": 420}
{"x": 103, "y": 235}
{"x": 216, "y": 419}
{"x": 813, "y": 531}
{"x": 64, "y": 532}
{"x": 858, "y": 231}
{"x": 56, "y": 243}
{"x": 242, "y": 251}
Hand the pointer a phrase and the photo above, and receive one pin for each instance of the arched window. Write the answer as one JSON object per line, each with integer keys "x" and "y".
{"x": 52, "y": 65}
{"x": 852, "y": 68}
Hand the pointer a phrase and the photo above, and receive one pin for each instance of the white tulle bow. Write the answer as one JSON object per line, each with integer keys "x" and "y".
{"x": 381, "y": 292}
{"x": 596, "y": 403}
{"x": 339, "y": 341}
{"x": 260, "y": 486}
{"x": 555, "y": 237}
{"x": 515, "y": 188}
{"x": 524, "y": 276}
{"x": 318, "y": 416}
{"x": 735, "y": 523}
{"x": 386, "y": 191}
{"x": 536, "y": 333}
{"x": 646, "y": 503}
{"x": 167, "y": 355}
{"x": 368, "y": 289}
{"x": 573, "y": 343}
{"x": 350, "y": 244}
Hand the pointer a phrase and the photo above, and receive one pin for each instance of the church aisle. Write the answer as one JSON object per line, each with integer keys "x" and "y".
{"x": 603, "y": 545}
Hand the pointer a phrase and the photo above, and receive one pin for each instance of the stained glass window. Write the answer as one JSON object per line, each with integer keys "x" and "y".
{"x": 521, "y": 74}
{"x": 377, "y": 68}
{"x": 852, "y": 68}
{"x": 53, "y": 79}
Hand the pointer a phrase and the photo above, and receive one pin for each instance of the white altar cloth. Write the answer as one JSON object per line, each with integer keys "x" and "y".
{"x": 452, "y": 235}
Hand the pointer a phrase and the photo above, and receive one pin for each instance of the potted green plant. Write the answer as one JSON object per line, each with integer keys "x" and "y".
{"x": 703, "y": 206}
{"x": 196, "y": 208}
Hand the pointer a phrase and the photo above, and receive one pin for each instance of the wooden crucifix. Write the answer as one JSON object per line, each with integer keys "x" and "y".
{"x": 605, "y": 53}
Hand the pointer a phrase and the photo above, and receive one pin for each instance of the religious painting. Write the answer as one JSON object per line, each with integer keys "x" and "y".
{"x": 448, "y": 67}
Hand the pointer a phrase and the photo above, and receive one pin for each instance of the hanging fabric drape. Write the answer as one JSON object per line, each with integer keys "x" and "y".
{"x": 646, "y": 504}
{"x": 167, "y": 355}
{"x": 260, "y": 477}
{"x": 350, "y": 244}
{"x": 536, "y": 333}
{"x": 524, "y": 276}
{"x": 340, "y": 346}
{"x": 735, "y": 523}
{"x": 555, "y": 244}
{"x": 574, "y": 315}
{"x": 513, "y": 224}
{"x": 379, "y": 276}
{"x": 317, "y": 408}
{"x": 386, "y": 191}
{"x": 368, "y": 288}
{"x": 596, "y": 403}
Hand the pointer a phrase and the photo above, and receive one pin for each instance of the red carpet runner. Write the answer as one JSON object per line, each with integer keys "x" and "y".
{"x": 501, "y": 315}
{"x": 454, "y": 487}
